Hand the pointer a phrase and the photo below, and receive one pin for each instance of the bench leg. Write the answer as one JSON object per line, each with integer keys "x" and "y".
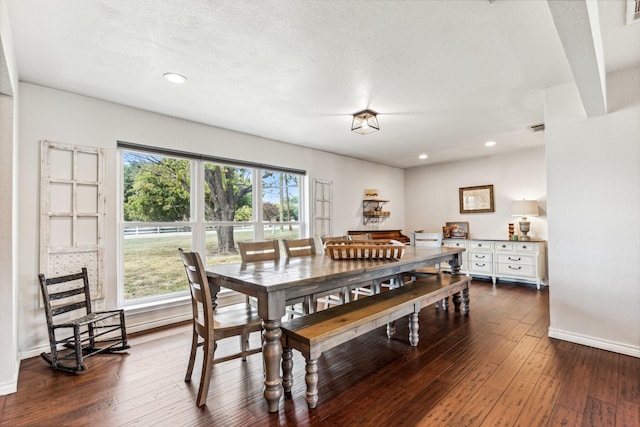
{"x": 311, "y": 378}
{"x": 391, "y": 329}
{"x": 413, "y": 329}
{"x": 445, "y": 303}
{"x": 465, "y": 301}
{"x": 287, "y": 370}
{"x": 456, "y": 301}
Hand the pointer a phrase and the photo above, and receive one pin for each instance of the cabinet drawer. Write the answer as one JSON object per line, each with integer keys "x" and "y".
{"x": 480, "y": 256}
{"x": 485, "y": 246}
{"x": 516, "y": 270}
{"x": 516, "y": 259}
{"x": 525, "y": 247}
{"x": 481, "y": 267}
{"x": 504, "y": 246}
{"x": 454, "y": 245}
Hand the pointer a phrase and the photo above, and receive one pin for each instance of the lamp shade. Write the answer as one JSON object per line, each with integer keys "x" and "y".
{"x": 524, "y": 208}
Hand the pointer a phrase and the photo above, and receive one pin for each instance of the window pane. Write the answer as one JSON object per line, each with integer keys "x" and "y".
{"x": 216, "y": 253}
{"x": 280, "y": 197}
{"x": 156, "y": 188}
{"x": 151, "y": 263}
{"x": 275, "y": 231}
{"x": 227, "y": 193}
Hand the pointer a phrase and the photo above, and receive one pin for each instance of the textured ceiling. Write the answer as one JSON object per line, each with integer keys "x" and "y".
{"x": 445, "y": 76}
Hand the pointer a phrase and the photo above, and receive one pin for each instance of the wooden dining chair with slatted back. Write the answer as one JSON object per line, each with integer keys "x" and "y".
{"x": 425, "y": 240}
{"x": 269, "y": 250}
{"x": 211, "y": 325}
{"x": 307, "y": 247}
{"x": 75, "y": 330}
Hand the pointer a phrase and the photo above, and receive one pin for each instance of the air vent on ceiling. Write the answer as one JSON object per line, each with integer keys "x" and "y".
{"x": 633, "y": 11}
{"x": 537, "y": 128}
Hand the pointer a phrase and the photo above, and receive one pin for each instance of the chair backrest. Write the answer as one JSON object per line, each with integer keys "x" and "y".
{"x": 65, "y": 294}
{"x": 362, "y": 236}
{"x": 325, "y": 239}
{"x": 299, "y": 247}
{"x": 426, "y": 240}
{"x": 268, "y": 250}
{"x": 201, "y": 305}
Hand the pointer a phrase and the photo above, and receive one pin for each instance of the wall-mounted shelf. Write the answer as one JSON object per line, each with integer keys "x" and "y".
{"x": 372, "y": 211}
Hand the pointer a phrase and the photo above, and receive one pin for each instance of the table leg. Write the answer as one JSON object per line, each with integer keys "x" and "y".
{"x": 272, "y": 352}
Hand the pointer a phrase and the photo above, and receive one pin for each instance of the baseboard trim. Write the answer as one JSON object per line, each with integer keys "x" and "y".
{"x": 11, "y": 386}
{"x": 595, "y": 342}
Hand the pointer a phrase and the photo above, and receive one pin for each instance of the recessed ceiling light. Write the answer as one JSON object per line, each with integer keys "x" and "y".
{"x": 489, "y": 143}
{"x": 423, "y": 156}
{"x": 175, "y": 78}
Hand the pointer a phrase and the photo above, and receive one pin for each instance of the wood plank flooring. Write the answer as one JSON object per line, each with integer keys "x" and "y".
{"x": 495, "y": 367}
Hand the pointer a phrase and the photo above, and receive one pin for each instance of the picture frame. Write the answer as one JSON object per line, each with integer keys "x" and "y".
{"x": 478, "y": 199}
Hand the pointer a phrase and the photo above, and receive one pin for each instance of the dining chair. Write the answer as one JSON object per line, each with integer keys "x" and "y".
{"x": 210, "y": 325}
{"x": 306, "y": 247}
{"x": 269, "y": 250}
{"x": 425, "y": 240}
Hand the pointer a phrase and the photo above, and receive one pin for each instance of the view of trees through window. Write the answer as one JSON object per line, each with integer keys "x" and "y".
{"x": 160, "y": 214}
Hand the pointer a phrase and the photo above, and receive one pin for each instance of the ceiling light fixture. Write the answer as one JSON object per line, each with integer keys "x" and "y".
{"x": 489, "y": 143}
{"x": 423, "y": 156}
{"x": 175, "y": 78}
{"x": 365, "y": 122}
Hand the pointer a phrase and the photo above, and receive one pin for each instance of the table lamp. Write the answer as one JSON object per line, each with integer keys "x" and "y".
{"x": 524, "y": 208}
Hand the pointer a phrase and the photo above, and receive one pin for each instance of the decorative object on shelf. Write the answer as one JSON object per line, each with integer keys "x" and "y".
{"x": 370, "y": 193}
{"x": 364, "y": 249}
{"x": 365, "y": 122}
{"x": 524, "y": 208}
{"x": 511, "y": 230}
{"x": 455, "y": 230}
{"x": 372, "y": 207}
{"x": 476, "y": 199}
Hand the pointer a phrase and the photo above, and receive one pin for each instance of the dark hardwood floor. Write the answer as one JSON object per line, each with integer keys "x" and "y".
{"x": 496, "y": 367}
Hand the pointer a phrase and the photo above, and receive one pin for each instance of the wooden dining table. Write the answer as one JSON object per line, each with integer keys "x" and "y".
{"x": 273, "y": 283}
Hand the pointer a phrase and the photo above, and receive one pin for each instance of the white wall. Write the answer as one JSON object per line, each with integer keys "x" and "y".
{"x": 9, "y": 360}
{"x": 431, "y": 193}
{"x": 594, "y": 210}
{"x": 64, "y": 117}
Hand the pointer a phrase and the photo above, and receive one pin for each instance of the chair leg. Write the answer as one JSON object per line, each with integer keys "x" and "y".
{"x": 244, "y": 345}
{"x": 192, "y": 356}
{"x": 413, "y": 329}
{"x": 205, "y": 377}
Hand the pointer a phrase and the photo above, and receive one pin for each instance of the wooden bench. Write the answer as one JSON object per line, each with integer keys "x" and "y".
{"x": 321, "y": 331}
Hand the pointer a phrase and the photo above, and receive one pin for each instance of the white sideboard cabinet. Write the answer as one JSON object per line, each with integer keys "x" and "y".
{"x": 503, "y": 259}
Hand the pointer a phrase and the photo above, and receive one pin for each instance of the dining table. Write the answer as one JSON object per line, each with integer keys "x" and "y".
{"x": 273, "y": 283}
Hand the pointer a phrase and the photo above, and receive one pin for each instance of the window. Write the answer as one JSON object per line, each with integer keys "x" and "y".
{"x": 173, "y": 200}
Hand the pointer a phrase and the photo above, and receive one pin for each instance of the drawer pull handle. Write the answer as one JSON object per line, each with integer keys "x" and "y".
{"x": 524, "y": 247}
{"x": 515, "y": 259}
{"x": 515, "y": 268}
{"x": 480, "y": 265}
{"x": 480, "y": 256}
{"x": 504, "y": 246}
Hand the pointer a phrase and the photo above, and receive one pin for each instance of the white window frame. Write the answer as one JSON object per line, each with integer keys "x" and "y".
{"x": 198, "y": 224}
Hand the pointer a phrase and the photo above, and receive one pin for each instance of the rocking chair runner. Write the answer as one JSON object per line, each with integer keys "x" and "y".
{"x": 91, "y": 333}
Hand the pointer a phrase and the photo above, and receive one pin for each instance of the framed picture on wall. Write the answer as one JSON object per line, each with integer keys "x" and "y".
{"x": 476, "y": 199}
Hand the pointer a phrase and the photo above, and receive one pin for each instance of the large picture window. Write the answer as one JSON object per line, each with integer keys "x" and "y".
{"x": 171, "y": 201}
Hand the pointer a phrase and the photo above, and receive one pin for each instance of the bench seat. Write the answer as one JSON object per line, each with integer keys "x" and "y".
{"x": 321, "y": 331}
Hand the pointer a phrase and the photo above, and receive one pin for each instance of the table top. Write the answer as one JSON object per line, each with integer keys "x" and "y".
{"x": 303, "y": 275}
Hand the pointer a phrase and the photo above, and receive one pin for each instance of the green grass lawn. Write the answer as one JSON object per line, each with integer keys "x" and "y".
{"x": 152, "y": 266}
